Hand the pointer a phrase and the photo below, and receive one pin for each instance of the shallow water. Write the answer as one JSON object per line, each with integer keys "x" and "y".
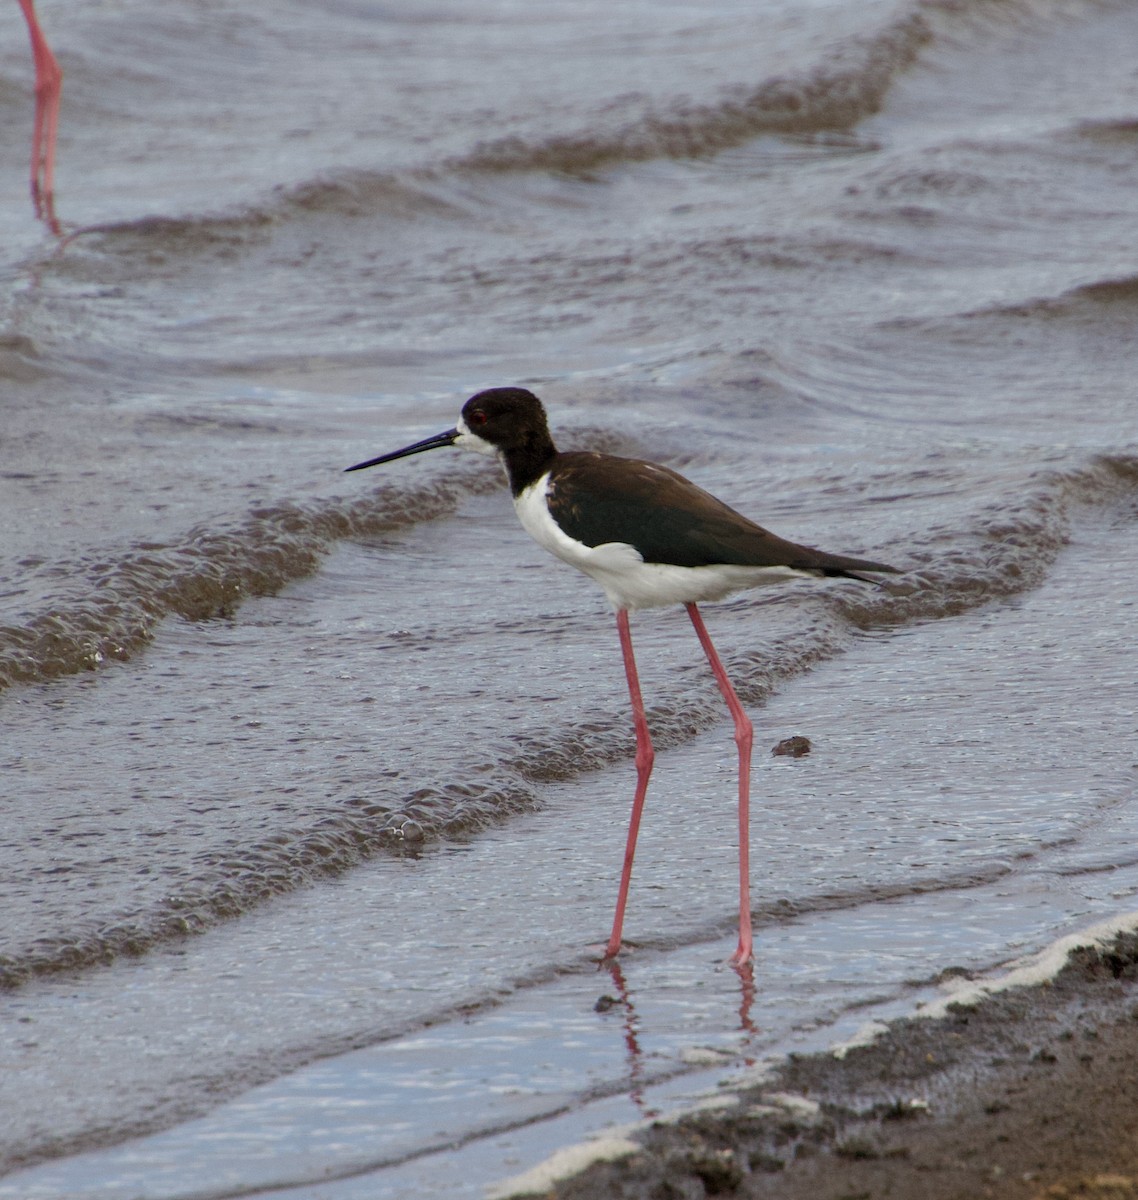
{"x": 316, "y": 784}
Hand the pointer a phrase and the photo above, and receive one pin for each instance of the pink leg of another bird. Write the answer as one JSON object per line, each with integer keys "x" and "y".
{"x": 49, "y": 81}
{"x": 644, "y": 758}
{"x": 743, "y": 738}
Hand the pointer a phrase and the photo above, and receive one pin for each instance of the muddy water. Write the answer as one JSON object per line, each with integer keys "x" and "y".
{"x": 296, "y": 764}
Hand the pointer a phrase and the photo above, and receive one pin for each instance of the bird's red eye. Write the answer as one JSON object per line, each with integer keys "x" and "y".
{"x": 477, "y": 417}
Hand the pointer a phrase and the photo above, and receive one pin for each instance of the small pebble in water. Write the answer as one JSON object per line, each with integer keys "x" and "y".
{"x": 795, "y": 746}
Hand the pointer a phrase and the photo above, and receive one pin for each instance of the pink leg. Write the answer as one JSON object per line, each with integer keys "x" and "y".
{"x": 49, "y": 81}
{"x": 645, "y": 756}
{"x": 743, "y": 738}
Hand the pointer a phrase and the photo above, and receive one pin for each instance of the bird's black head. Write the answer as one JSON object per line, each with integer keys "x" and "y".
{"x": 506, "y": 421}
{"x": 510, "y": 422}
{"x": 508, "y": 418}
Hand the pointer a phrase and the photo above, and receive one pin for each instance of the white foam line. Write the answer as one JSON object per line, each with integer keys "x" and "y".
{"x": 1029, "y": 971}
{"x": 797, "y": 1106}
{"x": 561, "y": 1165}
{"x": 573, "y": 1159}
{"x": 865, "y": 1036}
{"x": 603, "y": 1148}
{"x": 1033, "y": 969}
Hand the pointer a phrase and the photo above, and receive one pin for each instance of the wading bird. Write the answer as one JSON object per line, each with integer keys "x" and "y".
{"x": 649, "y": 537}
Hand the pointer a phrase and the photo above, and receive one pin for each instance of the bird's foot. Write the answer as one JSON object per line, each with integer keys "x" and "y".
{"x": 743, "y": 956}
{"x": 608, "y": 952}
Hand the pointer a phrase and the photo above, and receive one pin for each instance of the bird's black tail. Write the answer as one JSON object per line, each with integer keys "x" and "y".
{"x": 854, "y": 568}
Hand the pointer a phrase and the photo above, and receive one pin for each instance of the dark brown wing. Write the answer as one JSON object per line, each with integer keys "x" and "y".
{"x": 598, "y": 498}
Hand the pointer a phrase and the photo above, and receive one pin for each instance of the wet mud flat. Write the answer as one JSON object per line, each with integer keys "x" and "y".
{"x": 1032, "y": 1093}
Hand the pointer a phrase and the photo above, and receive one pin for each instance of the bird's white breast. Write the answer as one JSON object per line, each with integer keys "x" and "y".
{"x": 532, "y": 508}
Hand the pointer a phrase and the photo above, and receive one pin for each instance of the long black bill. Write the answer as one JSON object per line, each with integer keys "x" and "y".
{"x": 431, "y": 443}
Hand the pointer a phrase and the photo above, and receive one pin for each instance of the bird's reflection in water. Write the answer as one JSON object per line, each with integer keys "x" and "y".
{"x": 622, "y": 998}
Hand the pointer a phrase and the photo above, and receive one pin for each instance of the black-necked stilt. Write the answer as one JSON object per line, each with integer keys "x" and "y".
{"x": 649, "y": 537}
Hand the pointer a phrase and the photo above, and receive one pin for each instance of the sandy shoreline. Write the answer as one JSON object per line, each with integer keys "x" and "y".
{"x": 1030, "y": 1093}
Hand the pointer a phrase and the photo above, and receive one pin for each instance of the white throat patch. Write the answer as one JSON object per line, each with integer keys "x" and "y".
{"x": 471, "y": 441}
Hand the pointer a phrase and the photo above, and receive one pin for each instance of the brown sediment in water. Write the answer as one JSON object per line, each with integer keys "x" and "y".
{"x": 1031, "y": 1095}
